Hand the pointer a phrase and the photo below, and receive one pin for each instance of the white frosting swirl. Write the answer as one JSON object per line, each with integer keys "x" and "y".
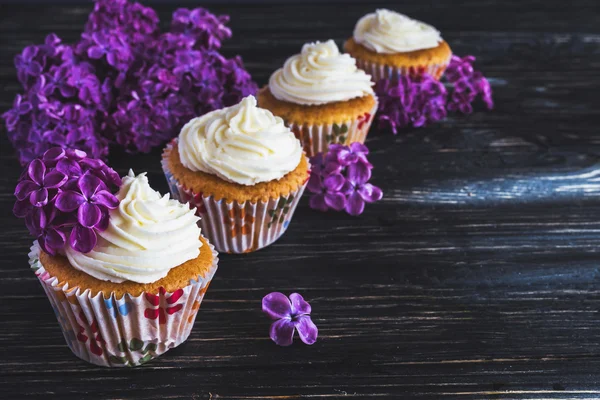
{"x": 389, "y": 32}
{"x": 319, "y": 75}
{"x": 242, "y": 144}
{"x": 147, "y": 236}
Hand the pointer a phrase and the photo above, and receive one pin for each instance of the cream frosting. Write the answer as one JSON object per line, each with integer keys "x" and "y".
{"x": 389, "y": 32}
{"x": 320, "y": 74}
{"x": 243, "y": 144}
{"x": 147, "y": 236}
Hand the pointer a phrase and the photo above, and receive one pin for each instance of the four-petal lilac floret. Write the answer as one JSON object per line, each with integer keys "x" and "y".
{"x": 290, "y": 315}
{"x": 358, "y": 190}
{"x": 40, "y": 181}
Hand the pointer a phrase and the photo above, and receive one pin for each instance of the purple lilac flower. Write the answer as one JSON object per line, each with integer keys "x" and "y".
{"x": 358, "y": 190}
{"x": 339, "y": 179}
{"x": 290, "y": 315}
{"x": 421, "y": 100}
{"x": 29, "y": 63}
{"x": 123, "y": 82}
{"x": 327, "y": 192}
{"x": 92, "y": 201}
{"x": 65, "y": 194}
{"x": 20, "y": 107}
{"x": 199, "y": 23}
{"x": 36, "y": 187}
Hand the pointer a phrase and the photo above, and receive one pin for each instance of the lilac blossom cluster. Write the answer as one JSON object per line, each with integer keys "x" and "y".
{"x": 124, "y": 82}
{"x": 64, "y": 195}
{"x": 339, "y": 179}
{"x": 421, "y": 100}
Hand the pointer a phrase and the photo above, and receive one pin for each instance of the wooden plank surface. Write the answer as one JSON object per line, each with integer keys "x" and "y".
{"x": 477, "y": 276}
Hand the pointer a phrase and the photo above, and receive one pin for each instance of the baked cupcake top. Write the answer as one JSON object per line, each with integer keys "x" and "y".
{"x": 147, "y": 235}
{"x": 242, "y": 144}
{"x": 389, "y": 32}
{"x": 320, "y": 74}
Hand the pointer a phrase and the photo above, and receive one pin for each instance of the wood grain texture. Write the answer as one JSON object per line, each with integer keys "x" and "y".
{"x": 477, "y": 276}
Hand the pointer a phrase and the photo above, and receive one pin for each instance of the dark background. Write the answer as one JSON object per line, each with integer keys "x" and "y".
{"x": 475, "y": 277}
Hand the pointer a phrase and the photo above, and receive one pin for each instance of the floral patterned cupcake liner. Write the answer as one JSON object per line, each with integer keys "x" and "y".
{"x": 125, "y": 332}
{"x": 234, "y": 227}
{"x": 317, "y": 138}
{"x": 380, "y": 71}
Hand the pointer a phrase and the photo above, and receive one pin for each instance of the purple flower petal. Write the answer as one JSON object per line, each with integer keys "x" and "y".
{"x": 299, "y": 305}
{"x": 82, "y": 239}
{"x": 315, "y": 183}
{"x": 104, "y": 220}
{"x": 358, "y": 173}
{"x": 337, "y": 201}
{"x": 276, "y": 305}
{"x": 22, "y": 208}
{"x": 69, "y": 167}
{"x": 370, "y": 193}
{"x": 54, "y": 179}
{"x": 106, "y": 199}
{"x": 69, "y": 200}
{"x": 347, "y": 157}
{"x": 334, "y": 182}
{"x": 39, "y": 198}
{"x": 95, "y": 52}
{"x": 359, "y": 148}
{"x": 88, "y": 214}
{"x": 282, "y": 332}
{"x": 307, "y": 330}
{"x": 36, "y": 171}
{"x": 53, "y": 155}
{"x": 54, "y": 240}
{"x": 317, "y": 202}
{"x": 88, "y": 184}
{"x": 355, "y": 205}
{"x": 24, "y": 189}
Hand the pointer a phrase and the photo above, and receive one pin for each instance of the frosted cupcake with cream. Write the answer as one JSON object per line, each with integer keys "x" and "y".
{"x": 322, "y": 96}
{"x": 243, "y": 169}
{"x": 124, "y": 267}
{"x": 387, "y": 44}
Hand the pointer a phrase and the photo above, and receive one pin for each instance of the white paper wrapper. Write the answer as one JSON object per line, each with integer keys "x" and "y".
{"x": 123, "y": 332}
{"x": 379, "y": 71}
{"x": 317, "y": 138}
{"x": 236, "y": 227}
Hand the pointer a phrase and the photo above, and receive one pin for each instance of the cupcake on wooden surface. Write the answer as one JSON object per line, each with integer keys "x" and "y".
{"x": 387, "y": 44}
{"x": 245, "y": 172}
{"x": 125, "y": 272}
{"x": 322, "y": 96}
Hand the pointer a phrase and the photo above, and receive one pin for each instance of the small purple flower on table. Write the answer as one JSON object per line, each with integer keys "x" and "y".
{"x": 339, "y": 179}
{"x": 290, "y": 314}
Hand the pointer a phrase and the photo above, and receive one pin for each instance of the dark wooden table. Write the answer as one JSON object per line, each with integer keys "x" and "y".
{"x": 477, "y": 276}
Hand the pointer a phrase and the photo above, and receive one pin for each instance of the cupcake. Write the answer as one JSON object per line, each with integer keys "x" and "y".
{"x": 322, "y": 96}
{"x": 243, "y": 170}
{"x": 126, "y": 272}
{"x": 387, "y": 44}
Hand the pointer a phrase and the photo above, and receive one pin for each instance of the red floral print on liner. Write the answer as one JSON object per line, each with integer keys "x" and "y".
{"x": 363, "y": 119}
{"x": 96, "y": 338}
{"x": 161, "y": 312}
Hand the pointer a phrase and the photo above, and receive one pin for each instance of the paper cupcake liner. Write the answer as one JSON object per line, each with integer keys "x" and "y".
{"x": 124, "y": 332}
{"x": 317, "y": 138}
{"x": 234, "y": 227}
{"x": 379, "y": 71}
